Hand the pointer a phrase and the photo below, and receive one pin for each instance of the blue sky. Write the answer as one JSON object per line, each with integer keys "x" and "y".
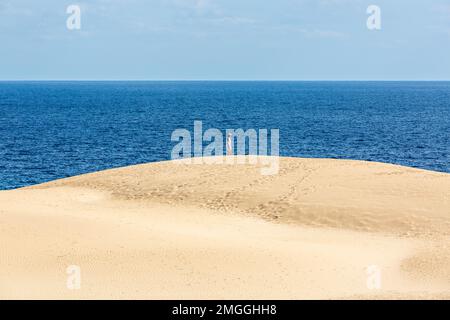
{"x": 225, "y": 39}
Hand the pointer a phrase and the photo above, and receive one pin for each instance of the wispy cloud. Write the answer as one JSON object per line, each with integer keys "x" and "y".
{"x": 443, "y": 9}
{"x": 11, "y": 8}
{"x": 207, "y": 11}
{"x": 233, "y": 20}
{"x": 338, "y": 2}
{"x": 443, "y": 30}
{"x": 441, "y": 25}
{"x": 199, "y": 6}
{"x": 309, "y": 32}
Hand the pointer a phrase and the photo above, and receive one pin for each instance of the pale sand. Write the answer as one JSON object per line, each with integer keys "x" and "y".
{"x": 170, "y": 230}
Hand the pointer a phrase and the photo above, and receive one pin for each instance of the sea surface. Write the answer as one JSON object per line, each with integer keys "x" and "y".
{"x": 51, "y": 130}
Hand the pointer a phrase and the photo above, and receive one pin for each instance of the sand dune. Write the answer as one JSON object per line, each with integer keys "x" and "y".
{"x": 179, "y": 231}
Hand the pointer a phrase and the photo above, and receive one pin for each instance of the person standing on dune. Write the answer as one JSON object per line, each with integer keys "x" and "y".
{"x": 229, "y": 145}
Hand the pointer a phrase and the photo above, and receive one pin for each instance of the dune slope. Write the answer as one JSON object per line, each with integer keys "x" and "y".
{"x": 318, "y": 229}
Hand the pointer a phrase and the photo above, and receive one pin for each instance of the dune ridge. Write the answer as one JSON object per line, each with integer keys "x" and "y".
{"x": 177, "y": 230}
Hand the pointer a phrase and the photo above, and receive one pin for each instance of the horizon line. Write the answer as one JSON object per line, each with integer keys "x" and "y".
{"x": 223, "y": 80}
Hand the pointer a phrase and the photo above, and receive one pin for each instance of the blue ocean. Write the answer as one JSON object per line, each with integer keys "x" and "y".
{"x": 52, "y": 130}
